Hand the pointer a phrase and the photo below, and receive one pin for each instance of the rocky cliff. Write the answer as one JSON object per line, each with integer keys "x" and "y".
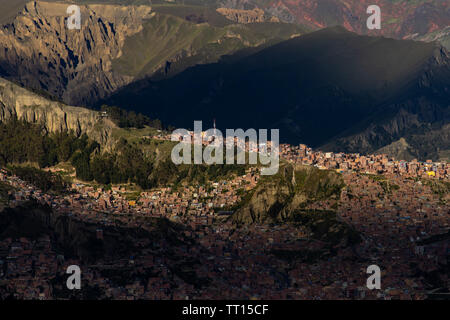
{"x": 284, "y": 198}
{"x": 39, "y": 51}
{"x": 246, "y": 16}
{"x": 16, "y": 101}
{"x": 116, "y": 45}
{"x": 277, "y": 198}
{"x": 422, "y": 20}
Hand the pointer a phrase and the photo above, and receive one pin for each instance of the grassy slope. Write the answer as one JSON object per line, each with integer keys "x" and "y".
{"x": 167, "y": 35}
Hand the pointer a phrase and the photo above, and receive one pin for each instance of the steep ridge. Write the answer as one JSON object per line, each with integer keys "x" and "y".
{"x": 420, "y": 116}
{"x": 116, "y": 45}
{"x": 18, "y": 102}
{"x": 318, "y": 89}
{"x": 75, "y": 65}
{"x": 401, "y": 19}
{"x": 285, "y": 198}
{"x": 246, "y": 16}
{"x": 184, "y": 43}
{"x": 441, "y": 35}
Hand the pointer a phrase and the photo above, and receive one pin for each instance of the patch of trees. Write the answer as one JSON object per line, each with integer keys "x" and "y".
{"x": 23, "y": 142}
{"x": 46, "y": 181}
{"x": 126, "y": 164}
{"x": 130, "y": 119}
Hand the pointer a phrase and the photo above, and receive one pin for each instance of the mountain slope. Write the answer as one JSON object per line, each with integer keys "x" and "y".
{"x": 399, "y": 18}
{"x": 318, "y": 89}
{"x": 277, "y": 198}
{"x": 17, "y": 102}
{"x": 116, "y": 45}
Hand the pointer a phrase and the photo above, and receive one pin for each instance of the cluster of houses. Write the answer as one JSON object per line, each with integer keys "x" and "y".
{"x": 374, "y": 164}
{"x": 404, "y": 230}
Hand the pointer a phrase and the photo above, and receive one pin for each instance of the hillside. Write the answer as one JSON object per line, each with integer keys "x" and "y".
{"x": 39, "y": 131}
{"x": 401, "y": 19}
{"x": 425, "y": 20}
{"x": 116, "y": 45}
{"x": 331, "y": 89}
{"x": 54, "y": 116}
{"x": 280, "y": 197}
{"x": 286, "y": 197}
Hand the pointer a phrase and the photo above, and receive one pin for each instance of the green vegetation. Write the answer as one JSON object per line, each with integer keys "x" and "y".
{"x": 129, "y": 119}
{"x": 198, "y": 34}
{"x": 314, "y": 183}
{"x": 127, "y": 164}
{"x": 22, "y": 142}
{"x": 134, "y": 158}
{"x": 324, "y": 226}
{"x": 277, "y": 198}
{"x": 318, "y": 184}
{"x": 387, "y": 186}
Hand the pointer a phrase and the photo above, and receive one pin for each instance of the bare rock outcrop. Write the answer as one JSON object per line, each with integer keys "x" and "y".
{"x": 74, "y": 65}
{"x": 276, "y": 198}
{"x": 246, "y": 16}
{"x": 16, "y": 101}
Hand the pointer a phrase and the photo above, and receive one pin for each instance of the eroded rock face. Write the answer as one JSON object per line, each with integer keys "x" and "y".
{"x": 74, "y": 65}
{"x": 277, "y": 198}
{"x": 399, "y": 19}
{"x": 265, "y": 205}
{"x": 246, "y": 16}
{"x": 16, "y": 101}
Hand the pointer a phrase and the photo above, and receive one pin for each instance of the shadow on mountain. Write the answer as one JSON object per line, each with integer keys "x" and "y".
{"x": 317, "y": 89}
